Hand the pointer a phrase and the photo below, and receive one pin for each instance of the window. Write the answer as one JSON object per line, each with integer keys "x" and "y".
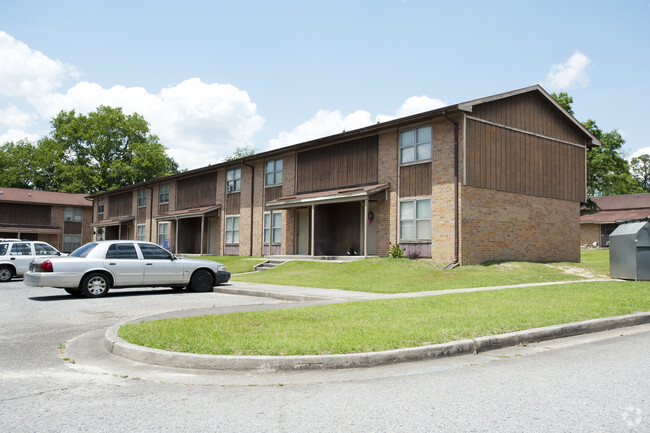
{"x": 141, "y": 232}
{"x": 273, "y": 172}
{"x": 233, "y": 180}
{"x": 164, "y": 193}
{"x": 121, "y": 251}
{"x": 22, "y": 249}
{"x": 273, "y": 228}
{"x": 232, "y": 230}
{"x": 44, "y": 250}
{"x": 142, "y": 197}
{"x": 415, "y": 220}
{"x": 154, "y": 252}
{"x": 100, "y": 205}
{"x": 163, "y": 235}
{"x": 415, "y": 145}
{"x": 71, "y": 242}
{"x": 72, "y": 214}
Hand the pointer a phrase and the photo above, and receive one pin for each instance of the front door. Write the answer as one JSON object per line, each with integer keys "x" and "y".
{"x": 122, "y": 260}
{"x": 302, "y": 230}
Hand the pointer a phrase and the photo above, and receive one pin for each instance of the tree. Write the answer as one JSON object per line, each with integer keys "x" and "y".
{"x": 641, "y": 171}
{"x": 608, "y": 173}
{"x": 86, "y": 154}
{"x": 241, "y": 152}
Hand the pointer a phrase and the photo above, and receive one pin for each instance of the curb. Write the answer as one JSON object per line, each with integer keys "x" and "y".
{"x": 117, "y": 346}
{"x": 267, "y": 294}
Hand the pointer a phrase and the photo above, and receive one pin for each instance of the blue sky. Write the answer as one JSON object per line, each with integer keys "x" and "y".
{"x": 210, "y": 76}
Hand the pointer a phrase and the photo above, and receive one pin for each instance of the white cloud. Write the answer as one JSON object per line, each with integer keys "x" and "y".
{"x": 199, "y": 123}
{"x": 568, "y": 75}
{"x": 28, "y": 73}
{"x": 642, "y": 151}
{"x": 13, "y": 117}
{"x": 326, "y": 122}
{"x": 16, "y": 135}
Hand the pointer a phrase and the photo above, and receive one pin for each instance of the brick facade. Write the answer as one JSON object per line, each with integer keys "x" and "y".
{"x": 589, "y": 233}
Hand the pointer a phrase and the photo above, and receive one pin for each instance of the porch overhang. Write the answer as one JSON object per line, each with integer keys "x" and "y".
{"x": 22, "y": 228}
{"x": 614, "y": 216}
{"x": 361, "y": 193}
{"x": 188, "y": 213}
{"x": 118, "y": 221}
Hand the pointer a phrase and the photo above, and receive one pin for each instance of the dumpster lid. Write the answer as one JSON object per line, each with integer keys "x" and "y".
{"x": 629, "y": 228}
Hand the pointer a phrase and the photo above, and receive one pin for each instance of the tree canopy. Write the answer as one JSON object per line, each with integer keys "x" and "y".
{"x": 641, "y": 171}
{"x": 103, "y": 150}
{"x": 608, "y": 173}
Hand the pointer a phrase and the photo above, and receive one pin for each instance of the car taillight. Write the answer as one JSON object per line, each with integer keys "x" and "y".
{"x": 46, "y": 266}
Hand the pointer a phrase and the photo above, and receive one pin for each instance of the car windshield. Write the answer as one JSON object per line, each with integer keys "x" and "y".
{"x": 83, "y": 250}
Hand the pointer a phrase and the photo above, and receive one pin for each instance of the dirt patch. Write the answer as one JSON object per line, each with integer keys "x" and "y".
{"x": 573, "y": 270}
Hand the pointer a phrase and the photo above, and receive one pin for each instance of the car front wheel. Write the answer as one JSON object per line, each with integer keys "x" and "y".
{"x": 202, "y": 281}
{"x": 5, "y": 274}
{"x": 95, "y": 285}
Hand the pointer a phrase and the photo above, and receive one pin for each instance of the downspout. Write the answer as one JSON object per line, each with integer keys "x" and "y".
{"x": 250, "y": 251}
{"x": 456, "y": 226}
{"x": 92, "y": 220}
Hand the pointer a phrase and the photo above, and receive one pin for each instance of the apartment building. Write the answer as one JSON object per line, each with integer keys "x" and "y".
{"x": 496, "y": 178}
{"x": 60, "y": 219}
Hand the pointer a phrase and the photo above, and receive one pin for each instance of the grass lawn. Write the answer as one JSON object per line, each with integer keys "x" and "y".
{"x": 387, "y": 275}
{"x": 390, "y": 324}
{"x": 235, "y": 264}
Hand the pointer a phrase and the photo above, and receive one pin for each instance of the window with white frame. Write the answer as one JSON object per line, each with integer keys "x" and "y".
{"x": 163, "y": 235}
{"x": 141, "y": 232}
{"x": 415, "y": 220}
{"x": 415, "y": 145}
{"x": 233, "y": 180}
{"x": 71, "y": 242}
{"x": 273, "y": 228}
{"x": 100, "y": 205}
{"x": 164, "y": 193}
{"x": 142, "y": 198}
{"x": 73, "y": 214}
{"x": 232, "y": 229}
{"x": 273, "y": 172}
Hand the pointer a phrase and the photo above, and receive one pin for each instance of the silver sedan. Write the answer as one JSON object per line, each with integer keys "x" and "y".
{"x": 96, "y": 267}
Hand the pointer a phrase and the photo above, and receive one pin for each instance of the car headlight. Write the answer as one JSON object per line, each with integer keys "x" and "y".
{"x": 221, "y": 268}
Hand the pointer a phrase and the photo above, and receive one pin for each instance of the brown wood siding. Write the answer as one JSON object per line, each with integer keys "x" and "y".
{"x": 233, "y": 201}
{"x": 72, "y": 228}
{"x": 415, "y": 180}
{"x": 351, "y": 163}
{"x": 530, "y": 112}
{"x": 26, "y": 214}
{"x": 120, "y": 205}
{"x": 142, "y": 215}
{"x": 163, "y": 208}
{"x": 506, "y": 160}
{"x": 271, "y": 193}
{"x": 196, "y": 191}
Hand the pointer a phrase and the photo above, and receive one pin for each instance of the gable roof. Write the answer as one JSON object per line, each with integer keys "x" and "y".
{"x": 19, "y": 195}
{"x": 618, "y": 208}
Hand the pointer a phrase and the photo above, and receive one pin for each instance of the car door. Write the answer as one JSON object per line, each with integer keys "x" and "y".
{"x": 123, "y": 261}
{"x": 161, "y": 268}
{"x": 21, "y": 255}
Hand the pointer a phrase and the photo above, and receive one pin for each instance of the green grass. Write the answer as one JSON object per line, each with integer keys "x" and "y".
{"x": 390, "y": 324}
{"x": 386, "y": 275}
{"x": 235, "y": 264}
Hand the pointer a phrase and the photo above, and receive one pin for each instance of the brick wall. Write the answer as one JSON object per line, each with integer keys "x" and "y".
{"x": 497, "y": 225}
{"x": 589, "y": 233}
{"x": 288, "y": 216}
{"x": 386, "y": 216}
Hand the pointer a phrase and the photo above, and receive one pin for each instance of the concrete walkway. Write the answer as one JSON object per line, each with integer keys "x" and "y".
{"x": 310, "y": 296}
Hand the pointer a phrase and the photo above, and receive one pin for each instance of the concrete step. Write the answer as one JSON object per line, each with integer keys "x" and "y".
{"x": 268, "y": 264}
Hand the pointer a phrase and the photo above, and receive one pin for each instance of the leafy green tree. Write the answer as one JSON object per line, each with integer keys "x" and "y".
{"x": 641, "y": 171}
{"x": 242, "y": 151}
{"x": 103, "y": 150}
{"x": 608, "y": 173}
{"x": 16, "y": 165}
{"x": 564, "y": 100}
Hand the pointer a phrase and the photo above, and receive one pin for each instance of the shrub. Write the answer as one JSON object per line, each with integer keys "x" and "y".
{"x": 413, "y": 255}
{"x": 395, "y": 251}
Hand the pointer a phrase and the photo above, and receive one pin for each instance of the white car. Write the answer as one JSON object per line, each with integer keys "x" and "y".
{"x": 96, "y": 267}
{"x": 16, "y": 255}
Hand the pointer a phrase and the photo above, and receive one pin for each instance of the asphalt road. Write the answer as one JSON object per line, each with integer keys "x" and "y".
{"x": 599, "y": 382}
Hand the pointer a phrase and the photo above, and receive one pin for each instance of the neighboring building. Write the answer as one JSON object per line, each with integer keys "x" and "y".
{"x": 595, "y": 227}
{"x": 60, "y": 219}
{"x": 496, "y": 178}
